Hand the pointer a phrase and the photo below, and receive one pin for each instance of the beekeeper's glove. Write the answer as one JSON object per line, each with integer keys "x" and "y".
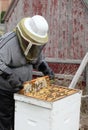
{"x": 46, "y": 70}
{"x": 13, "y": 79}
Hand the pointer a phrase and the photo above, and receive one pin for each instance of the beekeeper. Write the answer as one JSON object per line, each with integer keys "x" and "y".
{"x": 20, "y": 53}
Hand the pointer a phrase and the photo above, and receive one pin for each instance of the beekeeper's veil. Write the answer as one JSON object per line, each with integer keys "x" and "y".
{"x": 32, "y": 34}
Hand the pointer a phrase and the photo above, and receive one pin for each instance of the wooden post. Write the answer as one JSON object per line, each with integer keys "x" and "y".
{"x": 87, "y": 79}
{"x": 79, "y": 71}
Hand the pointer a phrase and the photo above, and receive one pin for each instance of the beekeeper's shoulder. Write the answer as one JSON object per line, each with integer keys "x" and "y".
{"x": 6, "y": 37}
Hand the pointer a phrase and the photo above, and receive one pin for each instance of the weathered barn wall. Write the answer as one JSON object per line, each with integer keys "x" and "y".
{"x": 68, "y": 25}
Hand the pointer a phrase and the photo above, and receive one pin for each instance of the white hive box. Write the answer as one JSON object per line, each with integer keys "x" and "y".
{"x": 35, "y": 114}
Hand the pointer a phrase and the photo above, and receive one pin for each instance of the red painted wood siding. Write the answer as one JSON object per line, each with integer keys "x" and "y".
{"x": 68, "y": 25}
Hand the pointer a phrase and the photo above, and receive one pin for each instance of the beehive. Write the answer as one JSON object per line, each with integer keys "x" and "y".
{"x": 51, "y": 107}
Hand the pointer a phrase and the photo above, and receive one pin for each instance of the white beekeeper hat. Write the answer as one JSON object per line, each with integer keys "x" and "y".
{"x": 35, "y": 28}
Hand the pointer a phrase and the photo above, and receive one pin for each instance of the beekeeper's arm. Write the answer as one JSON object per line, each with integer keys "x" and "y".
{"x": 42, "y": 65}
{"x": 7, "y": 73}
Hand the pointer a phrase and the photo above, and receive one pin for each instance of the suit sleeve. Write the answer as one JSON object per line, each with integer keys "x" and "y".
{"x": 5, "y": 59}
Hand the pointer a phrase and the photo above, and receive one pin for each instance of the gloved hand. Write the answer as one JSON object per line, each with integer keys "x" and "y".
{"x": 13, "y": 79}
{"x": 15, "y": 82}
{"x": 46, "y": 70}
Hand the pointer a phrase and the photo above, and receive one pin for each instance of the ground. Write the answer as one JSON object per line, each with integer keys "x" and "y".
{"x": 84, "y": 121}
{"x": 84, "y": 114}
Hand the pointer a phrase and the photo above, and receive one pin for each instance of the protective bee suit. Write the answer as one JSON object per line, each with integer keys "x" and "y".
{"x": 20, "y": 53}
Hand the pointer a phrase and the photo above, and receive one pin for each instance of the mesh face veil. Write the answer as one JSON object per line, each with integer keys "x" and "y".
{"x": 32, "y": 51}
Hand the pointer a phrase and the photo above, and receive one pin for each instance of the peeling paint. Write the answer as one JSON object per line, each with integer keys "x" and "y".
{"x": 68, "y": 25}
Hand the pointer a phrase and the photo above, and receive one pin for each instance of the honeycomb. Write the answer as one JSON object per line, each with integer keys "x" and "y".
{"x": 40, "y": 88}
